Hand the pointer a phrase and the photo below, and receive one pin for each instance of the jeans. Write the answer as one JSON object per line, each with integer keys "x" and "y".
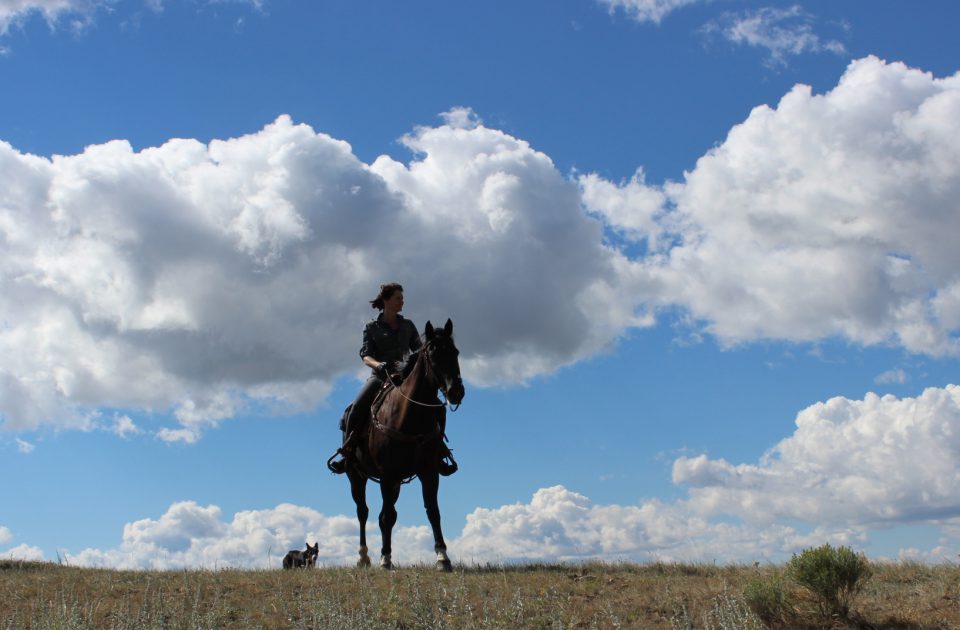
{"x": 361, "y": 406}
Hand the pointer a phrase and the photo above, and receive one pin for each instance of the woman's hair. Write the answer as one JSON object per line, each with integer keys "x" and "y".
{"x": 386, "y": 292}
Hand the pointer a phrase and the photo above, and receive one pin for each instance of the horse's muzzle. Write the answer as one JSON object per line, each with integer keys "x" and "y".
{"x": 456, "y": 392}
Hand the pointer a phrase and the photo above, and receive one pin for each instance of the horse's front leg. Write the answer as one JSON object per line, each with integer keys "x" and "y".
{"x": 390, "y": 491}
{"x": 430, "y": 484}
{"x": 358, "y": 488}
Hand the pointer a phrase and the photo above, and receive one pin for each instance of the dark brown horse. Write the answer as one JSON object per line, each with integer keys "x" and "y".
{"x": 405, "y": 438}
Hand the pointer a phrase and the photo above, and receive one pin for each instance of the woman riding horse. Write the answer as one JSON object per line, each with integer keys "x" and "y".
{"x": 405, "y": 440}
{"x": 390, "y": 343}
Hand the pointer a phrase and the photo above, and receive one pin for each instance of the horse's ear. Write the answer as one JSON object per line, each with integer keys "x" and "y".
{"x": 448, "y": 328}
{"x": 428, "y": 330}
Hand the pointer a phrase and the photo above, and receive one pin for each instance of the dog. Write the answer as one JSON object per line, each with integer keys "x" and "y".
{"x": 296, "y": 559}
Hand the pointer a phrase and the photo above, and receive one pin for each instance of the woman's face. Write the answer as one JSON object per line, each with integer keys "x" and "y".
{"x": 394, "y": 303}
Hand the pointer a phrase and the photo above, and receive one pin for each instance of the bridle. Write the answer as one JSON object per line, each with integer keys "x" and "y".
{"x": 432, "y": 373}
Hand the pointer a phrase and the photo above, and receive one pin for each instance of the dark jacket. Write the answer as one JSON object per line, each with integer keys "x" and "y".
{"x": 386, "y": 344}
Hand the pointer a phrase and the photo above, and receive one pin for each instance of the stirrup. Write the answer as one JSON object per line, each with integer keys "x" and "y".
{"x": 340, "y": 466}
{"x": 347, "y": 452}
{"x": 446, "y": 468}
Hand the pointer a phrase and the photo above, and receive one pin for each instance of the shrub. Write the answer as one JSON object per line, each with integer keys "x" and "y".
{"x": 834, "y": 575}
{"x": 730, "y": 613}
{"x": 727, "y": 613}
{"x": 769, "y": 600}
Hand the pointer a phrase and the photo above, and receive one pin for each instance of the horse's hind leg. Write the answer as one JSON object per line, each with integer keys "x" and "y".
{"x": 390, "y": 491}
{"x": 430, "y": 484}
{"x": 358, "y": 488}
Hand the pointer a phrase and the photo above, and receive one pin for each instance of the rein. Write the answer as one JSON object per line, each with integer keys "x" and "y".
{"x": 416, "y": 402}
{"x": 429, "y": 366}
{"x": 417, "y": 440}
{"x": 446, "y": 404}
{"x": 394, "y": 434}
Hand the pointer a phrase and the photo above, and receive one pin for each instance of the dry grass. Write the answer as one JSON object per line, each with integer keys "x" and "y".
{"x": 43, "y": 595}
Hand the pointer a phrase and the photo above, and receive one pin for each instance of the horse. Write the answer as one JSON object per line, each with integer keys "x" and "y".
{"x": 404, "y": 440}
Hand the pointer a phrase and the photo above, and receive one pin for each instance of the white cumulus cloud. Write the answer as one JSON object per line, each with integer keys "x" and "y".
{"x": 191, "y": 535}
{"x": 896, "y": 375}
{"x": 78, "y": 12}
{"x": 646, "y": 10}
{"x": 124, "y": 427}
{"x": 556, "y": 525}
{"x": 23, "y": 552}
{"x": 867, "y": 462}
{"x": 204, "y": 280}
{"x": 829, "y": 215}
{"x": 559, "y": 524}
{"x": 782, "y": 32}
{"x": 633, "y": 208}
{"x": 201, "y": 279}
{"x": 851, "y": 468}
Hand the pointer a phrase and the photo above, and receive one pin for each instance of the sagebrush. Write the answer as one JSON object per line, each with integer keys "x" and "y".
{"x": 835, "y": 576}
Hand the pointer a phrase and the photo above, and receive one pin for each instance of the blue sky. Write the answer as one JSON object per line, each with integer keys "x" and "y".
{"x": 699, "y": 255}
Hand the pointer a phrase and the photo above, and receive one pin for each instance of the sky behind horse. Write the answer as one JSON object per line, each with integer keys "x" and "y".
{"x": 706, "y": 248}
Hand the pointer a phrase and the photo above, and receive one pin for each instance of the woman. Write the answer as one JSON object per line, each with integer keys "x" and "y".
{"x": 390, "y": 343}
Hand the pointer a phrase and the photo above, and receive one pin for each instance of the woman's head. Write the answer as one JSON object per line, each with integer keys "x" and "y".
{"x": 387, "y": 292}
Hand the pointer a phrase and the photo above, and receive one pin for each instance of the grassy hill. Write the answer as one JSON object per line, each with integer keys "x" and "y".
{"x": 593, "y": 595}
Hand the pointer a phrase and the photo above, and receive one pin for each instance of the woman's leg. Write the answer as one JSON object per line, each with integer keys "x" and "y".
{"x": 355, "y": 422}
{"x": 361, "y": 406}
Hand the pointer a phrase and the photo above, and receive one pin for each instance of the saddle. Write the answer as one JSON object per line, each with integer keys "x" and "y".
{"x": 448, "y": 465}
{"x": 374, "y": 407}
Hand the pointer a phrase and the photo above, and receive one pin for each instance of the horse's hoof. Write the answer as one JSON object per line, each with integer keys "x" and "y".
{"x": 386, "y": 566}
{"x": 364, "y": 561}
{"x": 445, "y": 566}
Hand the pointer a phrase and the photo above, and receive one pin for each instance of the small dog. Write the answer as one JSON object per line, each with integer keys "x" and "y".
{"x": 296, "y": 559}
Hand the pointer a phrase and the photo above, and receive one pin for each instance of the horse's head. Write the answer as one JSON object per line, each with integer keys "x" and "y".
{"x": 442, "y": 355}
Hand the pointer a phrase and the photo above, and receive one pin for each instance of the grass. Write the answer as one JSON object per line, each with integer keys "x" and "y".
{"x": 592, "y": 595}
